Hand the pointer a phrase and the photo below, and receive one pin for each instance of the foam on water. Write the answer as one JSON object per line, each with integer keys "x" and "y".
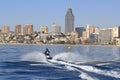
{"x": 82, "y": 75}
{"x": 99, "y": 71}
{"x": 86, "y": 76}
{"x": 75, "y": 67}
{"x": 71, "y": 57}
{"x": 34, "y": 56}
{"x": 72, "y": 66}
{"x": 101, "y": 64}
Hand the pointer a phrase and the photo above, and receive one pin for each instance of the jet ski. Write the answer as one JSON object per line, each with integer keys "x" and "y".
{"x": 47, "y": 54}
{"x": 49, "y": 58}
{"x": 57, "y": 61}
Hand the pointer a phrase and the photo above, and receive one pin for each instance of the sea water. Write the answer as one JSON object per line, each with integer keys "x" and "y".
{"x": 27, "y": 62}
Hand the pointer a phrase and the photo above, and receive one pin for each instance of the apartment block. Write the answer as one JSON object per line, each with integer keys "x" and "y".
{"x": 105, "y": 36}
{"x": 56, "y": 29}
{"x": 18, "y": 29}
{"x": 28, "y": 29}
{"x": 5, "y": 29}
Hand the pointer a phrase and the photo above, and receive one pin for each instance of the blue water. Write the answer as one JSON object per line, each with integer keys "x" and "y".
{"x": 27, "y": 62}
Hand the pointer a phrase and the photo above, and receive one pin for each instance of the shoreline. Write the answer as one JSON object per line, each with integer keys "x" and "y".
{"x": 69, "y": 45}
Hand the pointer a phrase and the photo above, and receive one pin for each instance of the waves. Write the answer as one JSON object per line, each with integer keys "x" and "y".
{"x": 71, "y": 57}
{"x": 99, "y": 71}
{"x": 82, "y": 75}
{"x": 80, "y": 63}
{"x": 70, "y": 62}
{"x": 83, "y": 69}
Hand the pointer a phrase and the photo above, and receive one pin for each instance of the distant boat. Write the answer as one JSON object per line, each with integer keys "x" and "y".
{"x": 69, "y": 46}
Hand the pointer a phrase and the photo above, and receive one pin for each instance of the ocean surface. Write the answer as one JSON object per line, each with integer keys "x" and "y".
{"x": 27, "y": 62}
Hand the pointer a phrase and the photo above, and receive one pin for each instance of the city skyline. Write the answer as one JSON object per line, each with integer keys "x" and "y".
{"x": 103, "y": 13}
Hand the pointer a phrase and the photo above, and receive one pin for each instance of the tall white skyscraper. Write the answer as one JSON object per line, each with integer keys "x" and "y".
{"x": 69, "y": 21}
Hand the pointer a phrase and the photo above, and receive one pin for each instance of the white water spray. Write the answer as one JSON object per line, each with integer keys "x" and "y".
{"x": 34, "y": 56}
{"x": 71, "y": 57}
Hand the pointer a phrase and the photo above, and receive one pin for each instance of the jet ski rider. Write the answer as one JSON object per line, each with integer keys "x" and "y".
{"x": 47, "y": 54}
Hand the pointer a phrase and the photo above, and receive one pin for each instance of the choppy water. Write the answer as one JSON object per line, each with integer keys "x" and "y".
{"x": 27, "y": 62}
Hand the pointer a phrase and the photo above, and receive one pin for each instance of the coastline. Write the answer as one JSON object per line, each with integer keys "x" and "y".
{"x": 69, "y": 45}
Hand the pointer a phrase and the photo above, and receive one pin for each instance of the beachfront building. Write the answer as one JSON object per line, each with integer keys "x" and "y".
{"x": 94, "y": 36}
{"x": 56, "y": 29}
{"x": 84, "y": 35}
{"x": 89, "y": 35}
{"x": 89, "y": 30}
{"x": 5, "y": 29}
{"x": 115, "y": 35}
{"x": 28, "y": 29}
{"x": 119, "y": 31}
{"x": 44, "y": 29}
{"x": 105, "y": 36}
{"x": 74, "y": 36}
{"x": 18, "y": 30}
{"x": 79, "y": 30}
{"x": 115, "y": 32}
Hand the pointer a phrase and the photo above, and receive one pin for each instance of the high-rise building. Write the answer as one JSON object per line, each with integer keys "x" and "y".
{"x": 69, "y": 21}
{"x": 105, "y": 36}
{"x": 115, "y": 32}
{"x": 28, "y": 29}
{"x": 24, "y": 30}
{"x": 90, "y": 30}
{"x": 18, "y": 29}
{"x": 79, "y": 30}
{"x": 84, "y": 35}
{"x": 119, "y": 31}
{"x": 5, "y": 29}
{"x": 55, "y": 28}
{"x": 44, "y": 29}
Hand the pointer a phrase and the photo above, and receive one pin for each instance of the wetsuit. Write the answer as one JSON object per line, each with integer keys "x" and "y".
{"x": 47, "y": 54}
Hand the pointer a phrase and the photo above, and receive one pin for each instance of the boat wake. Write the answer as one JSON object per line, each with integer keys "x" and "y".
{"x": 70, "y": 62}
{"x": 71, "y": 57}
{"x": 87, "y": 68}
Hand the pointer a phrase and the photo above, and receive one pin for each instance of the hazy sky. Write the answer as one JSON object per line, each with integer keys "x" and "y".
{"x": 101, "y": 13}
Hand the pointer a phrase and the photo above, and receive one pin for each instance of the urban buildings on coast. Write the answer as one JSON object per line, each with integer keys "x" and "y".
{"x": 88, "y": 34}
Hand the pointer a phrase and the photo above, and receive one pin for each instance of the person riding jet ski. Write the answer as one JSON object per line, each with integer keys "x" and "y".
{"x": 47, "y": 54}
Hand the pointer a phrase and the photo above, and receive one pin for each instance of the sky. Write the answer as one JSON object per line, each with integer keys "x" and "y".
{"x": 100, "y": 13}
